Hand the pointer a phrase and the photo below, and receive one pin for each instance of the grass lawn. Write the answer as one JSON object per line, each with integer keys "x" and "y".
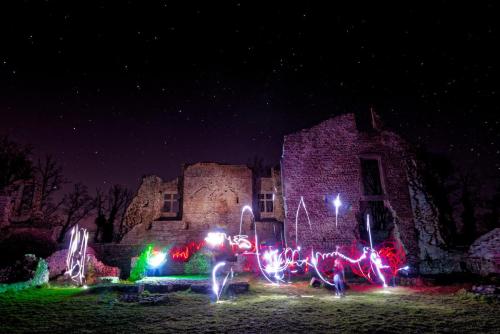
{"x": 265, "y": 309}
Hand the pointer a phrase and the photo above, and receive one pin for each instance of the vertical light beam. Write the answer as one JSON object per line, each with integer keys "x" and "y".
{"x": 369, "y": 230}
{"x": 77, "y": 254}
{"x": 337, "y": 203}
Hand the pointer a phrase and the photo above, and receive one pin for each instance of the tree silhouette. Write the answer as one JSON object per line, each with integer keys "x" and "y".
{"x": 110, "y": 210}
{"x": 77, "y": 205}
{"x": 49, "y": 179}
{"x": 14, "y": 162}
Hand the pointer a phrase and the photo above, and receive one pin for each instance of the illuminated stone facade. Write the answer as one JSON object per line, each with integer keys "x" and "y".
{"x": 20, "y": 202}
{"x": 326, "y": 160}
{"x": 208, "y": 196}
{"x": 370, "y": 167}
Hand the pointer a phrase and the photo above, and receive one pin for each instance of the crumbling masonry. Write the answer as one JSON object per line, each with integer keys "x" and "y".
{"x": 371, "y": 168}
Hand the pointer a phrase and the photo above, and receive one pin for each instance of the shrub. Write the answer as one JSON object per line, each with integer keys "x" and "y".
{"x": 40, "y": 278}
{"x": 141, "y": 265}
{"x": 16, "y": 245}
{"x": 199, "y": 263}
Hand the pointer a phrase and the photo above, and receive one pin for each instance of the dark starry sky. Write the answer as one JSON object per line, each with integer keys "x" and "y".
{"x": 118, "y": 89}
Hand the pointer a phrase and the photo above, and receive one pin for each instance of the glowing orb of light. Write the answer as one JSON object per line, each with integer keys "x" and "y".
{"x": 157, "y": 259}
{"x": 214, "y": 239}
{"x": 337, "y": 202}
{"x": 273, "y": 263}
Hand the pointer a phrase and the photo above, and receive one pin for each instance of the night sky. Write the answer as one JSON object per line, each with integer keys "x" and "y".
{"x": 116, "y": 90}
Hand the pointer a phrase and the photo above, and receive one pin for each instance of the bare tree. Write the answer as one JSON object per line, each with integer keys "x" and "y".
{"x": 77, "y": 205}
{"x": 110, "y": 211}
{"x": 100, "y": 220}
{"x": 49, "y": 178}
{"x": 14, "y": 162}
{"x": 50, "y": 174}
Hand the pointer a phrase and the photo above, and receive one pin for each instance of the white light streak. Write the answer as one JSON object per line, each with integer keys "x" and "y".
{"x": 273, "y": 263}
{"x": 77, "y": 251}
{"x": 215, "y": 239}
{"x": 337, "y": 203}
{"x": 303, "y": 204}
{"x": 369, "y": 230}
{"x": 216, "y": 288}
{"x": 243, "y": 210}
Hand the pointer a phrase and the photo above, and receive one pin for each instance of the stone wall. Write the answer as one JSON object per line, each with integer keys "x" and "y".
{"x": 279, "y": 210}
{"x": 271, "y": 185}
{"x": 265, "y": 186}
{"x": 212, "y": 198}
{"x": 146, "y": 205}
{"x": 434, "y": 256}
{"x": 163, "y": 232}
{"x": 12, "y": 208}
{"x": 117, "y": 255}
{"x": 214, "y": 195}
{"x": 484, "y": 254}
{"x": 4, "y": 210}
{"x": 319, "y": 162}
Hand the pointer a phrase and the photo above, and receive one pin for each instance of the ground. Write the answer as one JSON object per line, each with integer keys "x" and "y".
{"x": 296, "y": 308}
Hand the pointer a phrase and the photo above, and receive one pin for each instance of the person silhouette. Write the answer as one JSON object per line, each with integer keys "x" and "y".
{"x": 338, "y": 277}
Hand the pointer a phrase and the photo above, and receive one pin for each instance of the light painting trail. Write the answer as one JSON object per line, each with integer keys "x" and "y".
{"x": 273, "y": 263}
{"x": 243, "y": 210}
{"x": 368, "y": 228}
{"x": 77, "y": 252}
{"x": 376, "y": 264}
{"x": 301, "y": 204}
{"x": 337, "y": 203}
{"x": 315, "y": 256}
{"x": 156, "y": 259}
{"x": 217, "y": 239}
{"x": 184, "y": 252}
{"x": 216, "y": 288}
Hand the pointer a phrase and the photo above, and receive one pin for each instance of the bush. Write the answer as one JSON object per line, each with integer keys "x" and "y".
{"x": 16, "y": 245}
{"x": 20, "y": 271}
{"x": 141, "y": 265}
{"x": 41, "y": 274}
{"x": 199, "y": 263}
{"x": 40, "y": 278}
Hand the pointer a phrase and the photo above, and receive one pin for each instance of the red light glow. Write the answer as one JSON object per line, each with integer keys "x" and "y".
{"x": 184, "y": 252}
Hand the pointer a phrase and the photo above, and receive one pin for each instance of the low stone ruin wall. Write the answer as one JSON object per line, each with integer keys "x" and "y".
{"x": 117, "y": 255}
{"x": 484, "y": 254}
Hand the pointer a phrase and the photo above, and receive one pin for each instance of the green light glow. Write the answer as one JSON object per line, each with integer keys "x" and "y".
{"x": 141, "y": 265}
